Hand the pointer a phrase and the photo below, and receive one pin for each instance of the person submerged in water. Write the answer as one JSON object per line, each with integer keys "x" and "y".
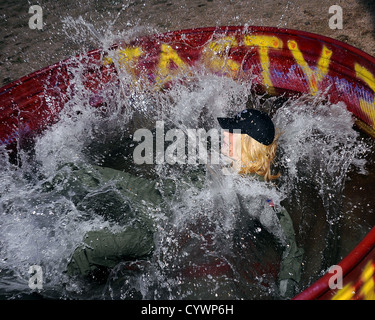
{"x": 250, "y": 153}
{"x": 250, "y": 142}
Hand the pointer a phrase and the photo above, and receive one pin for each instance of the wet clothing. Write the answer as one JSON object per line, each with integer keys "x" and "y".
{"x": 276, "y": 220}
{"x": 129, "y": 202}
{"x": 118, "y": 197}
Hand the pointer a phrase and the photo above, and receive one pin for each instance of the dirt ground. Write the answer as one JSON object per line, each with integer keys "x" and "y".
{"x": 67, "y": 24}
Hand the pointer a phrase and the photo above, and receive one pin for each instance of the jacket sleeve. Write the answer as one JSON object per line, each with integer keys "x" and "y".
{"x": 292, "y": 256}
{"x": 103, "y": 248}
{"x": 119, "y": 197}
{"x": 277, "y": 220}
{"x": 291, "y": 263}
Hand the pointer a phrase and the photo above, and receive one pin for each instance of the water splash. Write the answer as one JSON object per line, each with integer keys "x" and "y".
{"x": 319, "y": 149}
{"x": 195, "y": 255}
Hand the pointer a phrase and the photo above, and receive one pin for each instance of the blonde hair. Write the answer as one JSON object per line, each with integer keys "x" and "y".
{"x": 255, "y": 157}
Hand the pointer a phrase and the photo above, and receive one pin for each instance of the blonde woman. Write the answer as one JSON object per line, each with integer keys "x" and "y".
{"x": 250, "y": 142}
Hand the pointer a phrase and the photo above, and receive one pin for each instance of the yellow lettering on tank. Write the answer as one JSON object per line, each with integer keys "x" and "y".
{"x": 367, "y": 107}
{"x": 368, "y": 287}
{"x": 216, "y": 56}
{"x": 165, "y": 72}
{"x": 125, "y": 57}
{"x": 314, "y": 77}
{"x": 264, "y": 43}
{"x": 346, "y": 293}
{"x": 364, "y": 289}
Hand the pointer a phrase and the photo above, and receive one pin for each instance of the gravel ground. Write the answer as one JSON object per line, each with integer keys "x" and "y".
{"x": 65, "y": 32}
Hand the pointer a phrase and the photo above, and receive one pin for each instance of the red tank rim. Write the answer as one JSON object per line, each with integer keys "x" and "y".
{"x": 221, "y": 29}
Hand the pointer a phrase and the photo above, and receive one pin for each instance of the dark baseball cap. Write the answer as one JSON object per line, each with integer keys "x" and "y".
{"x": 254, "y": 123}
